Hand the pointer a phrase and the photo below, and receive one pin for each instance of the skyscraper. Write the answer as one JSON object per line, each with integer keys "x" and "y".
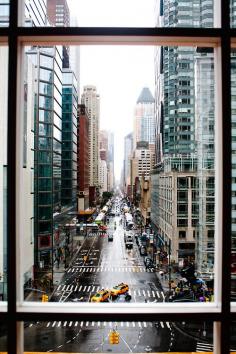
{"x": 69, "y": 139}
{"x": 144, "y": 124}
{"x": 184, "y": 174}
{"x": 47, "y": 145}
{"x": 59, "y": 15}
{"x": 128, "y": 149}
{"x": 91, "y": 99}
{"x": 35, "y": 13}
{"x": 83, "y": 158}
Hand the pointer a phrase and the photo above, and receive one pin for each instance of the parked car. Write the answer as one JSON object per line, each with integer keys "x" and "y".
{"x": 129, "y": 244}
{"x": 110, "y": 237}
{"x": 148, "y": 262}
{"x": 143, "y": 251}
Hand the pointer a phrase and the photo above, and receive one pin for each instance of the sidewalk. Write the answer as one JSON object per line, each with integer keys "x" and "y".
{"x": 59, "y": 272}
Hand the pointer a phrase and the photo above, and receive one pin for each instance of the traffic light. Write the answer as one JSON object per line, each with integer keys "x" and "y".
{"x": 44, "y": 298}
{"x": 114, "y": 337}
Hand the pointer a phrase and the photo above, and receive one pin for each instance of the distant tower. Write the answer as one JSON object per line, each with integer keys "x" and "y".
{"x": 91, "y": 100}
{"x": 144, "y": 124}
{"x": 59, "y": 15}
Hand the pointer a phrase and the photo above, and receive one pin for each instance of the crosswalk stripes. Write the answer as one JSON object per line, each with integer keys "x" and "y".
{"x": 71, "y": 288}
{"x": 122, "y": 324}
{"x": 204, "y": 347}
{"x": 93, "y": 269}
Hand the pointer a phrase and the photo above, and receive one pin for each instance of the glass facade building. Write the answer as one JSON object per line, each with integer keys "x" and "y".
{"x": 69, "y": 139}
{"x": 47, "y": 144}
{"x": 185, "y": 139}
{"x": 36, "y": 13}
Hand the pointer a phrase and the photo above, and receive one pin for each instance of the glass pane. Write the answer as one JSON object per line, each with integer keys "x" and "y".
{"x": 153, "y": 232}
{"x": 122, "y": 337}
{"x": 3, "y": 171}
{"x": 4, "y": 13}
{"x": 106, "y": 13}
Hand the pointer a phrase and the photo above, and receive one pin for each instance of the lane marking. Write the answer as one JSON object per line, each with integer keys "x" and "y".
{"x": 163, "y": 296}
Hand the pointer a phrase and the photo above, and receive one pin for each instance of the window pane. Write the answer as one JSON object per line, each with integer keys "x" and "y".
{"x": 162, "y": 250}
{"x": 3, "y": 171}
{"x": 4, "y": 13}
{"x": 104, "y": 13}
{"x": 122, "y": 337}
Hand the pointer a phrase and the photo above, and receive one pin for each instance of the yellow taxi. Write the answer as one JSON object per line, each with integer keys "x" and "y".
{"x": 101, "y": 296}
{"x": 119, "y": 289}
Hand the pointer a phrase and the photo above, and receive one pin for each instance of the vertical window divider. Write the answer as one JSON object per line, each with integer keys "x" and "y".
{"x": 13, "y": 85}
{"x": 225, "y": 328}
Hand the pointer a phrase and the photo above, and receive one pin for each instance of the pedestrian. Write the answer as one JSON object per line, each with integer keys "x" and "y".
{"x": 58, "y": 261}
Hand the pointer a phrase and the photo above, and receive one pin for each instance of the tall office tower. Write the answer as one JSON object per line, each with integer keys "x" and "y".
{"x": 106, "y": 146}
{"x": 83, "y": 158}
{"x": 204, "y": 130}
{"x": 75, "y": 56}
{"x": 69, "y": 139}
{"x": 59, "y": 15}
{"x": 47, "y": 145}
{"x": 144, "y": 123}
{"x": 35, "y": 13}
{"x": 103, "y": 173}
{"x": 91, "y": 99}
{"x": 111, "y": 173}
{"x": 128, "y": 149}
{"x": 142, "y": 160}
{"x": 177, "y": 188}
{"x": 103, "y": 140}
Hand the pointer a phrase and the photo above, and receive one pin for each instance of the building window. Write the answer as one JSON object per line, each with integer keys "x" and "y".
{"x": 208, "y": 37}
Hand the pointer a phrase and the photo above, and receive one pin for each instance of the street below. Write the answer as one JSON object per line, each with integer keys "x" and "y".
{"x": 102, "y": 264}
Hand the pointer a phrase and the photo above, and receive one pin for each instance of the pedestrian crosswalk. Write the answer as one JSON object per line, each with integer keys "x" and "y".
{"x": 91, "y": 289}
{"x": 105, "y": 324}
{"x": 99, "y": 269}
{"x": 204, "y": 347}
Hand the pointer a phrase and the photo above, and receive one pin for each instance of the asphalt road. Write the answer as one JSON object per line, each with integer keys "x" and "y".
{"x": 108, "y": 264}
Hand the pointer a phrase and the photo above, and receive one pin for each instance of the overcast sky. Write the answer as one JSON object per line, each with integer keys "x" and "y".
{"x": 118, "y": 72}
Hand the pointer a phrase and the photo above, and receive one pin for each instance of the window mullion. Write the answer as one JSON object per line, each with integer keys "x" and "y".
{"x": 226, "y": 178}
{"x": 11, "y": 179}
